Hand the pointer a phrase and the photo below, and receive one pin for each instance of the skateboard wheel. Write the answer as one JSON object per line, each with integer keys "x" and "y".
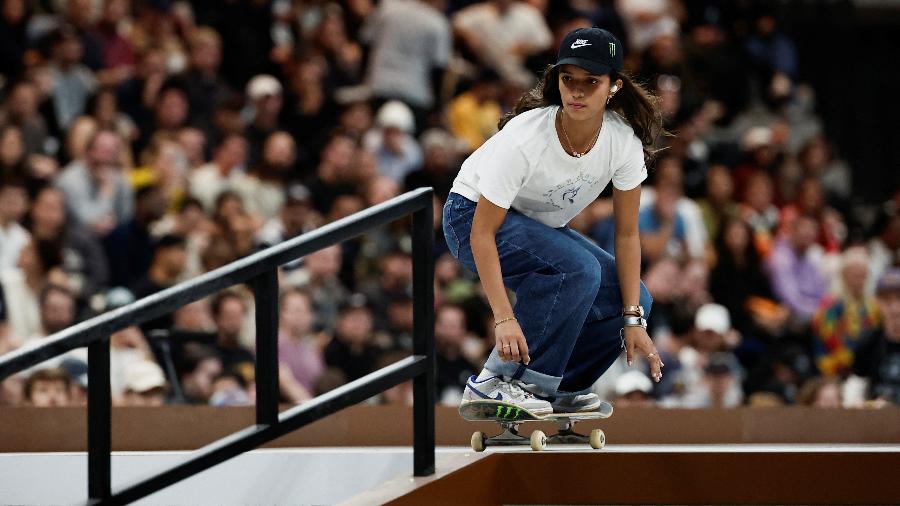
{"x": 598, "y": 439}
{"x": 478, "y": 441}
{"x": 538, "y": 441}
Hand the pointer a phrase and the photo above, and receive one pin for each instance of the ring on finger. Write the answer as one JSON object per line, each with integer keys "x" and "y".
{"x": 651, "y": 355}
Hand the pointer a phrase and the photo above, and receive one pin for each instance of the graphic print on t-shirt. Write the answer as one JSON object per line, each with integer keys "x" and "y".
{"x": 563, "y": 194}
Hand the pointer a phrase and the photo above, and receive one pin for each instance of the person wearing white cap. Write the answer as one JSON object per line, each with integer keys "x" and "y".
{"x": 145, "y": 384}
{"x": 713, "y": 329}
{"x": 397, "y": 151}
{"x": 633, "y": 389}
{"x": 264, "y": 94}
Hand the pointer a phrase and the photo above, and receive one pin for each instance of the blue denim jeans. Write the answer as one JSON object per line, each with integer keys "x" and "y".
{"x": 568, "y": 301}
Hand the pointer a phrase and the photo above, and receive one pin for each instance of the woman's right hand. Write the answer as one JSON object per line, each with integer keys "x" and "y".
{"x": 511, "y": 344}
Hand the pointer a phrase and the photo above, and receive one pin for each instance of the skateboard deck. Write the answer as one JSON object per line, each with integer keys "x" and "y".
{"x": 510, "y": 417}
{"x": 498, "y": 411}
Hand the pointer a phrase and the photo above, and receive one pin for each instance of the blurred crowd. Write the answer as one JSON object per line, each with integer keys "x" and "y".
{"x": 145, "y": 142}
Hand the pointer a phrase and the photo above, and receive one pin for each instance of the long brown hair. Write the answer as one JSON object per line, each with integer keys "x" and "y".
{"x": 639, "y": 107}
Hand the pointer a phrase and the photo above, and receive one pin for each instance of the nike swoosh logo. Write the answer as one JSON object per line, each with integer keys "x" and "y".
{"x": 576, "y": 45}
{"x": 499, "y": 397}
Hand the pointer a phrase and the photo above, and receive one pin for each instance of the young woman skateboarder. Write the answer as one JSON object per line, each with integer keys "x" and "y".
{"x": 576, "y": 306}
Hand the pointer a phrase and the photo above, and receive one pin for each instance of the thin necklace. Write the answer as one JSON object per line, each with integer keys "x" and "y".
{"x": 576, "y": 154}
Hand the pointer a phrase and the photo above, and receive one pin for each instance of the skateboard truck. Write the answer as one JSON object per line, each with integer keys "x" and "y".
{"x": 538, "y": 441}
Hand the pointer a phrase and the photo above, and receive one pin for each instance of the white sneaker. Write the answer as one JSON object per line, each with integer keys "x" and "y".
{"x": 495, "y": 388}
{"x": 577, "y": 404}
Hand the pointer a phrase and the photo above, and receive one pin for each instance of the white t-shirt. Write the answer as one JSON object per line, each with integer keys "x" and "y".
{"x": 525, "y": 167}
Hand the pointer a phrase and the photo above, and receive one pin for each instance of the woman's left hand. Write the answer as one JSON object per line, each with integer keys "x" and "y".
{"x": 636, "y": 338}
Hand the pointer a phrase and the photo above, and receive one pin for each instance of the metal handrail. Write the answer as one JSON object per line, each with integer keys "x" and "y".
{"x": 261, "y": 271}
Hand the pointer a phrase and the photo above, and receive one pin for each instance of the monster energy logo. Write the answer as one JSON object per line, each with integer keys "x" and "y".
{"x": 612, "y": 49}
{"x": 511, "y": 412}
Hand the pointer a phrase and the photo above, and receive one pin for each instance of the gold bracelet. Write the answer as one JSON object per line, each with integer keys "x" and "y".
{"x": 504, "y": 321}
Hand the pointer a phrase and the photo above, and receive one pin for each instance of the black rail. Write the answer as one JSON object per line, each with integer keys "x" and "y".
{"x": 260, "y": 270}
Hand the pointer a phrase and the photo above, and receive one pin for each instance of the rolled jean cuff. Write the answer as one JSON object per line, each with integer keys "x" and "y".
{"x": 546, "y": 384}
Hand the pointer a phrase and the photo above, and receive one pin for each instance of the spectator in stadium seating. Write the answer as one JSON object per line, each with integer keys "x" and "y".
{"x": 695, "y": 385}
{"x": 411, "y": 46}
{"x": 230, "y": 389}
{"x": 104, "y": 108}
{"x": 341, "y": 51}
{"x": 164, "y": 164}
{"x": 821, "y": 392}
{"x": 222, "y": 173}
{"x": 795, "y": 269}
{"x": 229, "y": 311}
{"x": 58, "y": 312}
{"x": 169, "y": 114}
{"x": 13, "y": 206}
{"x": 193, "y": 141}
{"x": 397, "y": 150}
{"x": 21, "y": 110}
{"x": 884, "y": 247}
{"x": 198, "y": 368}
{"x": 73, "y": 83}
{"x": 127, "y": 347}
{"x": 787, "y": 368}
{"x": 877, "y": 356}
{"x": 474, "y": 114}
{"x": 394, "y": 281}
{"x": 502, "y": 34}
{"x": 111, "y": 34}
{"x": 633, "y": 389}
{"x": 352, "y": 350}
{"x": 84, "y": 260}
{"x": 737, "y": 280}
{"x": 299, "y": 346}
{"x": 811, "y": 202}
{"x": 662, "y": 228}
{"x": 457, "y": 353}
{"x": 138, "y": 94}
{"x": 192, "y": 223}
{"x": 205, "y": 88}
{"x": 719, "y": 385}
{"x": 165, "y": 270}
{"x": 38, "y": 265}
{"x": 47, "y": 388}
{"x": 265, "y": 97}
{"x": 129, "y": 247}
{"x": 295, "y": 218}
{"x": 719, "y": 204}
{"x": 319, "y": 277}
{"x": 335, "y": 174}
{"x": 309, "y": 110}
{"x": 440, "y": 165}
{"x": 402, "y": 394}
{"x": 662, "y": 280}
{"x": 817, "y": 161}
{"x": 759, "y": 211}
{"x": 844, "y": 315}
{"x": 263, "y": 189}
{"x": 145, "y": 385}
{"x": 97, "y": 194}
{"x": 35, "y": 170}
{"x": 670, "y": 174}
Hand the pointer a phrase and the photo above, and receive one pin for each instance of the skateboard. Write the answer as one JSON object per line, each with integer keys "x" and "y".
{"x": 510, "y": 417}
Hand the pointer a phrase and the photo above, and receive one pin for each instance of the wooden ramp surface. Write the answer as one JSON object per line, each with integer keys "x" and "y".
{"x": 657, "y": 474}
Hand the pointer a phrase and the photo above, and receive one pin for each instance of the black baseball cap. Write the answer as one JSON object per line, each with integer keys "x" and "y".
{"x": 594, "y": 49}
